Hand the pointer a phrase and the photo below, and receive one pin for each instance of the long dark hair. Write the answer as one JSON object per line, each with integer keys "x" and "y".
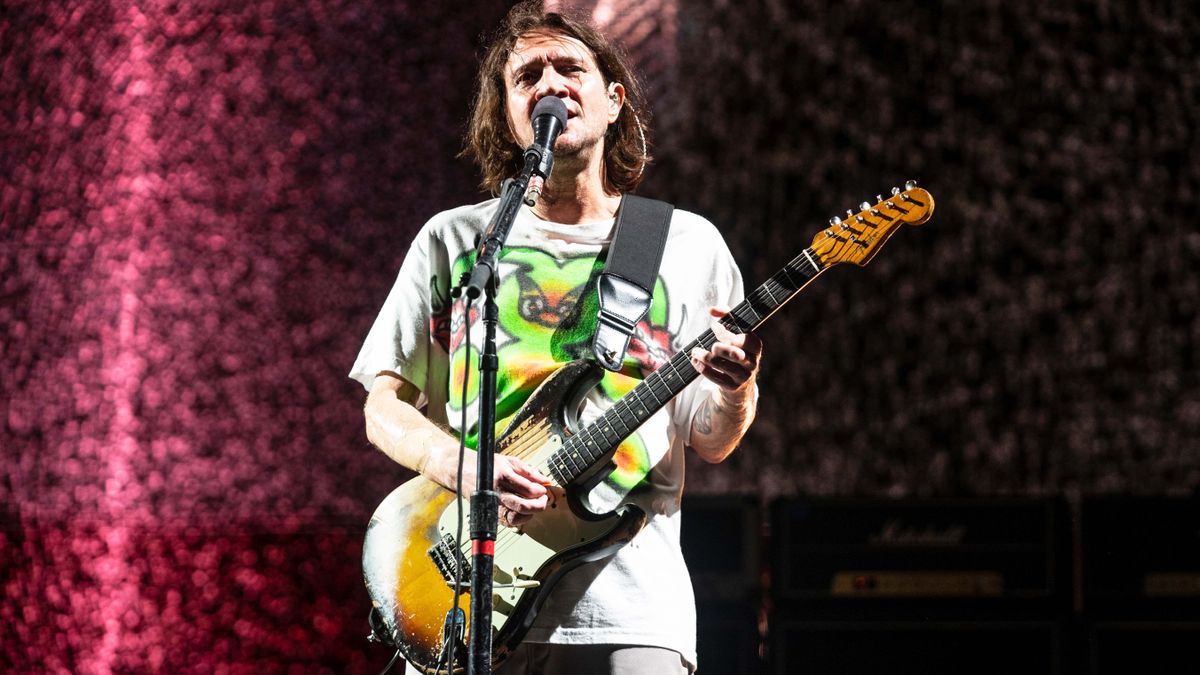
{"x": 489, "y": 140}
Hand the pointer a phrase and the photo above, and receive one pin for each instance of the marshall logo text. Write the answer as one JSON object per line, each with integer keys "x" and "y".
{"x": 896, "y": 533}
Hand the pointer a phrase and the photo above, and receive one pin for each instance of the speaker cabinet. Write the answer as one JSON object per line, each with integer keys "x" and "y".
{"x": 721, "y": 541}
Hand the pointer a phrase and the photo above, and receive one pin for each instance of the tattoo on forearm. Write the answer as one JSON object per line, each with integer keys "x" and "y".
{"x": 718, "y": 426}
{"x": 732, "y": 418}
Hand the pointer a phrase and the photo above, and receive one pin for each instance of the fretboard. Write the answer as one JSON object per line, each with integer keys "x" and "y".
{"x": 597, "y": 440}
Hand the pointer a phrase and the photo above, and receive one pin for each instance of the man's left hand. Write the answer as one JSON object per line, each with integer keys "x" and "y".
{"x": 732, "y": 362}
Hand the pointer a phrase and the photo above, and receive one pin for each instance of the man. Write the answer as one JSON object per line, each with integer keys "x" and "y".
{"x": 633, "y": 612}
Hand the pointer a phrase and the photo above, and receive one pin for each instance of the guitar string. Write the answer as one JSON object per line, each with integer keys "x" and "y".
{"x": 507, "y": 538}
{"x": 504, "y": 539}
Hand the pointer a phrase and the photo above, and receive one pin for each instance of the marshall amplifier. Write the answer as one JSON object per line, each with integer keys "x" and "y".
{"x": 934, "y": 587}
{"x": 930, "y": 558}
{"x": 1141, "y": 584}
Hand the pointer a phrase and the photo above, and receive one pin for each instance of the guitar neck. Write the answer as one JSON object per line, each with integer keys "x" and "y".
{"x": 600, "y": 438}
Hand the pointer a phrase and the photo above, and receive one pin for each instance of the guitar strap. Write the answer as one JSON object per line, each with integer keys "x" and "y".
{"x": 626, "y": 286}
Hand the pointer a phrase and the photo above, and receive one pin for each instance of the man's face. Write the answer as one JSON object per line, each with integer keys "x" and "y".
{"x": 550, "y": 64}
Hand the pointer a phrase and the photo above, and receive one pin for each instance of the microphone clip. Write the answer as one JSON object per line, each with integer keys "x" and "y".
{"x": 536, "y": 183}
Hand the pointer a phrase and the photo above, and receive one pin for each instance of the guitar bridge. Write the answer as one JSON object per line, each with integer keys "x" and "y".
{"x": 449, "y": 559}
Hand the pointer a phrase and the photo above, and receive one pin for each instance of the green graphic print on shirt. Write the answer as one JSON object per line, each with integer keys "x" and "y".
{"x": 547, "y": 318}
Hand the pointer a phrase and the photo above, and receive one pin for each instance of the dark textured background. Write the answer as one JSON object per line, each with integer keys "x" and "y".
{"x": 204, "y": 204}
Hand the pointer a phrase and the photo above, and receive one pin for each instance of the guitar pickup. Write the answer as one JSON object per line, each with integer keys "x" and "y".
{"x": 449, "y": 560}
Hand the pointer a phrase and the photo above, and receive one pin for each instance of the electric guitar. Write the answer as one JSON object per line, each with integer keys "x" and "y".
{"x": 410, "y": 557}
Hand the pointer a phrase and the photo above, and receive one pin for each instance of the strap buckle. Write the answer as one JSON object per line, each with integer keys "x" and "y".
{"x": 623, "y": 304}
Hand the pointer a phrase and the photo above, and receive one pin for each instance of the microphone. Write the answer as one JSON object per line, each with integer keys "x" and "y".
{"x": 549, "y": 118}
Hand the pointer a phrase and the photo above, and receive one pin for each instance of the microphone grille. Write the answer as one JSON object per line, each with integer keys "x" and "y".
{"x": 551, "y": 105}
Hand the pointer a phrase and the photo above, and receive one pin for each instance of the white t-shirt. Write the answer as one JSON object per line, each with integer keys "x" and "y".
{"x": 642, "y": 595}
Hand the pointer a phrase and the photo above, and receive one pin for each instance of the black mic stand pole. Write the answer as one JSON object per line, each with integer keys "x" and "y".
{"x": 485, "y": 502}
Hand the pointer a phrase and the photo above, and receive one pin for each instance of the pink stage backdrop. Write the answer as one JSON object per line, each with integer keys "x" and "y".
{"x": 204, "y": 204}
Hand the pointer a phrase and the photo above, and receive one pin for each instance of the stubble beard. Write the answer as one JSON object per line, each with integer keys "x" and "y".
{"x": 569, "y": 162}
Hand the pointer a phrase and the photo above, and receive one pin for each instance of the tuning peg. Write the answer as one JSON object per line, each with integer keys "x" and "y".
{"x": 895, "y": 191}
{"x": 910, "y": 184}
{"x": 878, "y": 198}
{"x": 864, "y": 206}
{"x": 835, "y": 221}
{"x": 849, "y": 213}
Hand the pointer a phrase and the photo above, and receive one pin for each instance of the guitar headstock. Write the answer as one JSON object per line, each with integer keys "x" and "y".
{"x": 860, "y": 236}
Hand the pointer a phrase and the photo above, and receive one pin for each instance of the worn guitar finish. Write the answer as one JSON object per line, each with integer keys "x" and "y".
{"x": 410, "y": 559}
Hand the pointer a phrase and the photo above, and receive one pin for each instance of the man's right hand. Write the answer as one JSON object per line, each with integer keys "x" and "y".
{"x": 521, "y": 487}
{"x": 395, "y": 426}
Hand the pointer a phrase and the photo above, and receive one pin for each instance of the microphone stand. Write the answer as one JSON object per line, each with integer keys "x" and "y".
{"x": 485, "y": 502}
